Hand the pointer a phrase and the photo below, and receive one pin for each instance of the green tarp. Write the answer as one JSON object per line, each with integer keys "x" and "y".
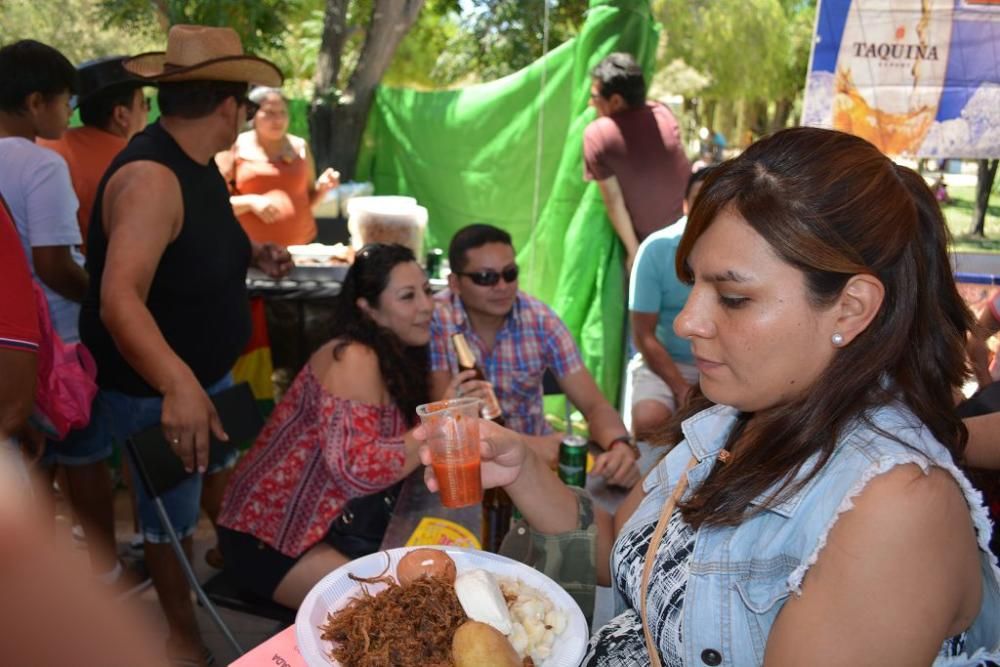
{"x": 470, "y": 155}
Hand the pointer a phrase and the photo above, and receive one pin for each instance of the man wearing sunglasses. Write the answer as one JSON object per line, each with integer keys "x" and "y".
{"x": 515, "y": 338}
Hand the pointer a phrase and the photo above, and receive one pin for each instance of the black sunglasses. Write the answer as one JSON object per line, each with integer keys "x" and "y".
{"x": 489, "y": 277}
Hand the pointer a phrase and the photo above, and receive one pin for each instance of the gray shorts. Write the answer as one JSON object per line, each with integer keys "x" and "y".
{"x": 645, "y": 385}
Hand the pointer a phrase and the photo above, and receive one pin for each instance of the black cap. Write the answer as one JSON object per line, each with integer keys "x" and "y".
{"x": 100, "y": 74}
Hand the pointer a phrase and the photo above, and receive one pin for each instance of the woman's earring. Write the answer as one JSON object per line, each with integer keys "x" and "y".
{"x": 837, "y": 339}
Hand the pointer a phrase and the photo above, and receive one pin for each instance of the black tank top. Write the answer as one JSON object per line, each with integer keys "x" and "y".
{"x": 198, "y": 296}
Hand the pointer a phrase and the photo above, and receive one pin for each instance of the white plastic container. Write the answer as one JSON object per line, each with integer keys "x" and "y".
{"x": 387, "y": 219}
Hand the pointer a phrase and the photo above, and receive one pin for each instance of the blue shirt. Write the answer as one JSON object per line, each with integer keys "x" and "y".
{"x": 655, "y": 287}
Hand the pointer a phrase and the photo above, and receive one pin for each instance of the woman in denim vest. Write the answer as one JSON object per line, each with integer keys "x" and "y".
{"x": 820, "y": 518}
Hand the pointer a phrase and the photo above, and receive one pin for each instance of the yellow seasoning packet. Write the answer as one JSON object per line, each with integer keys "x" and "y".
{"x": 433, "y": 531}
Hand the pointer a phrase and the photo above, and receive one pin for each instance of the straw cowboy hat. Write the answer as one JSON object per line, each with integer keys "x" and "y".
{"x": 202, "y": 53}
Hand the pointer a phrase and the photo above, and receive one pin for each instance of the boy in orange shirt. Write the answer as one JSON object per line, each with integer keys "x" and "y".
{"x": 112, "y": 110}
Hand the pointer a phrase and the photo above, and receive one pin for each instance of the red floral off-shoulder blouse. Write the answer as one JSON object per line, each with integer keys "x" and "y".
{"x": 316, "y": 452}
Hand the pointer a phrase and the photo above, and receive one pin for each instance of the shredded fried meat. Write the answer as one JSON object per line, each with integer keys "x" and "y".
{"x": 401, "y": 626}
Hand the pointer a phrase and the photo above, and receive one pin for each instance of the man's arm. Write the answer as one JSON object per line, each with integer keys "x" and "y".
{"x": 655, "y": 355}
{"x": 983, "y": 448}
{"x": 618, "y": 462}
{"x": 979, "y": 354}
{"x": 604, "y": 422}
{"x": 271, "y": 258}
{"x": 614, "y": 202}
{"x": 55, "y": 267}
{"x": 143, "y": 213}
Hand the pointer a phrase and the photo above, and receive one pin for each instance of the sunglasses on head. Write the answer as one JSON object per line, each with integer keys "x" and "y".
{"x": 489, "y": 277}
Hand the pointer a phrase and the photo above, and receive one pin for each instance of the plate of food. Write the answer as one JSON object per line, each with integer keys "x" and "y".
{"x": 439, "y": 606}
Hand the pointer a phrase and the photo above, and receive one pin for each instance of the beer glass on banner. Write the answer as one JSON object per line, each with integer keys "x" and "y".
{"x": 453, "y": 439}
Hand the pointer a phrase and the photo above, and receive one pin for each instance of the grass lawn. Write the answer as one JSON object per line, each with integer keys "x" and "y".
{"x": 959, "y": 216}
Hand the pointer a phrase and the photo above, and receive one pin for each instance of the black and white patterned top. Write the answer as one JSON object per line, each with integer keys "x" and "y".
{"x": 620, "y": 643}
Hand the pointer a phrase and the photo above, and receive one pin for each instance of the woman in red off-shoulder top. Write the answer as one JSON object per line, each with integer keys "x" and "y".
{"x": 340, "y": 435}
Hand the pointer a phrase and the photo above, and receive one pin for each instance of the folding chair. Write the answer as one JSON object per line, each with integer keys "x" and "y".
{"x": 160, "y": 470}
{"x": 224, "y": 592}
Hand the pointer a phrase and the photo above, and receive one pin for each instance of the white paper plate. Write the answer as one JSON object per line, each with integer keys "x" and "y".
{"x": 316, "y": 250}
{"x": 335, "y": 589}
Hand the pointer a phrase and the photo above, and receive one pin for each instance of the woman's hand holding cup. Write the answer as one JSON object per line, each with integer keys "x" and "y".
{"x": 502, "y": 453}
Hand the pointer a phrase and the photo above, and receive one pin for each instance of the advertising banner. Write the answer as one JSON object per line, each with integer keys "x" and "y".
{"x": 919, "y": 78}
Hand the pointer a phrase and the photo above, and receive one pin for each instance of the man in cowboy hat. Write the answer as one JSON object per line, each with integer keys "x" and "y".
{"x": 167, "y": 313}
{"x": 112, "y": 109}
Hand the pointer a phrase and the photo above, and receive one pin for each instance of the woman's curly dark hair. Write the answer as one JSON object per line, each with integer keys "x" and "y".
{"x": 405, "y": 369}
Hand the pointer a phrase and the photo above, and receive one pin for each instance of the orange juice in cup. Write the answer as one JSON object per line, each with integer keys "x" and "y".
{"x": 453, "y": 438}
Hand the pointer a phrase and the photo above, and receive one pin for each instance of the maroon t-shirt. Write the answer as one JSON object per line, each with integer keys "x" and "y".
{"x": 642, "y": 149}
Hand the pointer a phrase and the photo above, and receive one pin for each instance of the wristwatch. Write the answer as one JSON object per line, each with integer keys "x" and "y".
{"x": 628, "y": 441}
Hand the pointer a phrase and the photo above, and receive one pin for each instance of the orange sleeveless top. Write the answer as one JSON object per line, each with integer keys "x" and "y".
{"x": 285, "y": 182}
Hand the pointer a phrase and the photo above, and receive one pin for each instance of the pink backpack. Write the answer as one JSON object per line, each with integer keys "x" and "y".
{"x": 67, "y": 375}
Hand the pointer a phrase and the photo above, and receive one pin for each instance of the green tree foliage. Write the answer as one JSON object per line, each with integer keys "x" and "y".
{"x": 299, "y": 47}
{"x": 260, "y": 23}
{"x": 75, "y": 27}
{"x": 498, "y": 37}
{"x": 753, "y": 52}
{"x": 436, "y": 28}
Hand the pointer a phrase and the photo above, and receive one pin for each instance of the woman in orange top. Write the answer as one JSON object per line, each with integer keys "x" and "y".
{"x": 272, "y": 176}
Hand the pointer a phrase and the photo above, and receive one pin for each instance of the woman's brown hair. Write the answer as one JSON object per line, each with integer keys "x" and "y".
{"x": 405, "y": 369}
{"x": 831, "y": 205}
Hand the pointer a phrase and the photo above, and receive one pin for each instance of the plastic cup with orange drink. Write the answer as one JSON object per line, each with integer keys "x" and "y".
{"x": 453, "y": 439}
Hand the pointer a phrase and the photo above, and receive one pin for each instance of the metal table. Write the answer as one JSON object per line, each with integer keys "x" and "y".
{"x": 415, "y": 502}
{"x": 303, "y": 283}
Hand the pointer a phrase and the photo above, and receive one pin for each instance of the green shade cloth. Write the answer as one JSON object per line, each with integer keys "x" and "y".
{"x": 469, "y": 155}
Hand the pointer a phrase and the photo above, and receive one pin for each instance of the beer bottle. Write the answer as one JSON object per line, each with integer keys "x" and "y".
{"x": 497, "y": 507}
{"x": 467, "y": 362}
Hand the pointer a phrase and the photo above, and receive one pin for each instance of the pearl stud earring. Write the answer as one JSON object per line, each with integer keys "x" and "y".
{"x": 837, "y": 339}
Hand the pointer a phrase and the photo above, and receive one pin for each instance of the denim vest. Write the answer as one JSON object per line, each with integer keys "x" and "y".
{"x": 740, "y": 577}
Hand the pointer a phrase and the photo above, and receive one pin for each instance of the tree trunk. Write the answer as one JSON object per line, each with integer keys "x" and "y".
{"x": 706, "y": 116}
{"x": 782, "y": 110}
{"x": 331, "y": 47}
{"x": 987, "y": 173}
{"x": 337, "y": 122}
{"x": 757, "y": 118}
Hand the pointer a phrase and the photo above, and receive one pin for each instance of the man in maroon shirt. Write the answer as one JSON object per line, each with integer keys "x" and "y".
{"x": 633, "y": 150}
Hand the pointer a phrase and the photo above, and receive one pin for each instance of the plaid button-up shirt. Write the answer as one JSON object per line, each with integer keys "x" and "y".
{"x": 532, "y": 339}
